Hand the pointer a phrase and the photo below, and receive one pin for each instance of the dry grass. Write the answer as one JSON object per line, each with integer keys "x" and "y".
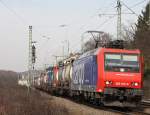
{"x": 14, "y": 100}
{"x": 146, "y": 87}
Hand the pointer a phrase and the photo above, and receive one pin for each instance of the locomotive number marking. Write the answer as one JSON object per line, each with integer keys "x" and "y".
{"x": 122, "y": 84}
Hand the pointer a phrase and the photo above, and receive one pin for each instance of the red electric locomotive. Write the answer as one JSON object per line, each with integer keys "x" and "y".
{"x": 109, "y": 76}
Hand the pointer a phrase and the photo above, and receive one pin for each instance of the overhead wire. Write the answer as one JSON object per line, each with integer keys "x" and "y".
{"x": 139, "y": 3}
{"x": 25, "y": 22}
{"x": 104, "y": 10}
{"x": 124, "y": 13}
{"x": 133, "y": 12}
{"x": 96, "y": 14}
{"x": 77, "y": 43}
{"x": 129, "y": 9}
{"x": 106, "y": 21}
{"x": 14, "y": 13}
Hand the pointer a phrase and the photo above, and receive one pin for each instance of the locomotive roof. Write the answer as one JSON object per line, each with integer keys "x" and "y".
{"x": 95, "y": 51}
{"x": 91, "y": 52}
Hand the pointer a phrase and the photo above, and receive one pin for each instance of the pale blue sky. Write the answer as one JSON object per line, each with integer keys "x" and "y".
{"x": 46, "y": 16}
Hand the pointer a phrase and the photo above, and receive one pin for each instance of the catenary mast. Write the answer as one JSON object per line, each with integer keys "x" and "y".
{"x": 119, "y": 20}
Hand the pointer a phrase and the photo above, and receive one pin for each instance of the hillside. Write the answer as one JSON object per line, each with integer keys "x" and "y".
{"x": 14, "y": 100}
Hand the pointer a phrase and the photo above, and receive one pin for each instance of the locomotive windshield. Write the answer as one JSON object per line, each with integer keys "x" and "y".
{"x": 121, "y": 62}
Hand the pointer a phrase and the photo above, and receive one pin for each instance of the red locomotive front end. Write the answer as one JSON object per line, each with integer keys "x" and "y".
{"x": 120, "y": 75}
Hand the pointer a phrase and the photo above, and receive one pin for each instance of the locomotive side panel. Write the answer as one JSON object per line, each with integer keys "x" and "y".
{"x": 84, "y": 74}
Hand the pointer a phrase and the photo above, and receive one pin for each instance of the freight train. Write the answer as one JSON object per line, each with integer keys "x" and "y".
{"x": 103, "y": 75}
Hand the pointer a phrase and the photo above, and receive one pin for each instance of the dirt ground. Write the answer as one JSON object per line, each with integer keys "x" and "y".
{"x": 15, "y": 100}
{"x": 146, "y": 88}
{"x": 74, "y": 108}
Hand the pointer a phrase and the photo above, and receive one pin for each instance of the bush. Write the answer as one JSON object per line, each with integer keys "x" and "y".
{"x": 147, "y": 73}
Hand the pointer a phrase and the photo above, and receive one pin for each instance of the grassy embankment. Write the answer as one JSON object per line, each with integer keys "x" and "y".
{"x": 14, "y": 99}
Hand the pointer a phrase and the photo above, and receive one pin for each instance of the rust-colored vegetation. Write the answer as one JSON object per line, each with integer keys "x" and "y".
{"x": 15, "y": 100}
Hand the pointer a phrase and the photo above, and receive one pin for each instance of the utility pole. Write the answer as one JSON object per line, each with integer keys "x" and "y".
{"x": 57, "y": 56}
{"x": 68, "y": 46}
{"x": 149, "y": 14}
{"x": 33, "y": 61}
{"x": 30, "y": 57}
{"x": 63, "y": 51}
{"x": 66, "y": 37}
{"x": 119, "y": 36}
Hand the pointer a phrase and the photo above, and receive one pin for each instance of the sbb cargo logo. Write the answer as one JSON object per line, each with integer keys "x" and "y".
{"x": 121, "y": 84}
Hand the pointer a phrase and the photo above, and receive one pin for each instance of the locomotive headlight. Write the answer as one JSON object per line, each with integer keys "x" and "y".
{"x": 107, "y": 82}
{"x": 136, "y": 84}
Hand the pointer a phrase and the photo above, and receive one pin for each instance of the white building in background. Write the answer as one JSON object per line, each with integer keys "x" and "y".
{"x": 22, "y": 80}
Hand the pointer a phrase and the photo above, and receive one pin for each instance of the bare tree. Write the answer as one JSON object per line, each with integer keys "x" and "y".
{"x": 97, "y": 39}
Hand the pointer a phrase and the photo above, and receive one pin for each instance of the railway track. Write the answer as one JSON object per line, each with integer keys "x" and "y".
{"x": 119, "y": 110}
{"x": 128, "y": 112}
{"x": 132, "y": 111}
{"x": 137, "y": 111}
{"x": 145, "y": 103}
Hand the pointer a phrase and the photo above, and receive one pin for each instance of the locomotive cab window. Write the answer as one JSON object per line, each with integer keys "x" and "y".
{"x": 121, "y": 62}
